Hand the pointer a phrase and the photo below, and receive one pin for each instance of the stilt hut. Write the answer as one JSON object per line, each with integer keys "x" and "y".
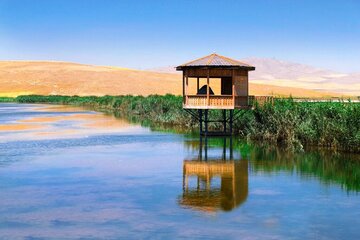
{"x": 231, "y": 77}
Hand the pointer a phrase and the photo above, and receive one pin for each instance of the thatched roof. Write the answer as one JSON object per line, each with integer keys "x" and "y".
{"x": 215, "y": 61}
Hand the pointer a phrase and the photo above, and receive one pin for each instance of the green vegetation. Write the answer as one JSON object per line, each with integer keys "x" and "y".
{"x": 284, "y": 122}
{"x": 329, "y": 168}
{"x": 7, "y": 99}
{"x": 289, "y": 123}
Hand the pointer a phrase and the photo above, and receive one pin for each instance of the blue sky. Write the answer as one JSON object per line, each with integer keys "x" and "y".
{"x": 146, "y": 34}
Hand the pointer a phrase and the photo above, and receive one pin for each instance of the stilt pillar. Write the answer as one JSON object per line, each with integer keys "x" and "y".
{"x": 231, "y": 121}
{"x": 231, "y": 148}
{"x": 206, "y": 148}
{"x": 224, "y": 149}
{"x": 224, "y": 120}
{"x": 201, "y": 148}
{"x": 206, "y": 121}
{"x": 200, "y": 121}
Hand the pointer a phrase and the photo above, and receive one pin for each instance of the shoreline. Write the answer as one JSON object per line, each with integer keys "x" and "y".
{"x": 285, "y": 123}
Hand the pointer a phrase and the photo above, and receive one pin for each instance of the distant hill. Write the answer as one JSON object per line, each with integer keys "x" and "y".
{"x": 166, "y": 69}
{"x": 64, "y": 78}
{"x": 289, "y": 74}
{"x": 282, "y": 73}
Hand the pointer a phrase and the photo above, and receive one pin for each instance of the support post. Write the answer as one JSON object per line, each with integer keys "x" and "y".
{"x": 233, "y": 86}
{"x": 200, "y": 121}
{"x": 231, "y": 148}
{"x": 208, "y": 87}
{"x": 231, "y": 121}
{"x": 224, "y": 120}
{"x": 224, "y": 149}
{"x": 247, "y": 92}
{"x": 197, "y": 85}
{"x": 206, "y": 148}
{"x": 206, "y": 121}
{"x": 233, "y": 97}
{"x": 184, "y": 88}
{"x": 200, "y": 148}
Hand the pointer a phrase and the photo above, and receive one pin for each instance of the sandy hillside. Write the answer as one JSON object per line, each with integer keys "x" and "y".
{"x": 38, "y": 77}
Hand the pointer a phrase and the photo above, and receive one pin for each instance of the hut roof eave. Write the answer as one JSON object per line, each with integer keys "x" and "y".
{"x": 249, "y": 68}
{"x": 216, "y": 61}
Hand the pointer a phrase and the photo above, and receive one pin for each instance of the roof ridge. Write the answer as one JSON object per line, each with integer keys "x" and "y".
{"x": 196, "y": 60}
{"x": 212, "y": 56}
{"x": 233, "y": 60}
{"x": 215, "y": 60}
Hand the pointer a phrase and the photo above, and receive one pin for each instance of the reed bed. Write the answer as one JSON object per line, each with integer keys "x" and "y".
{"x": 283, "y": 122}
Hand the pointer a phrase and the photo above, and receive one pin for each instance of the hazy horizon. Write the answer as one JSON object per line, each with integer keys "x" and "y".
{"x": 144, "y": 35}
{"x": 244, "y": 59}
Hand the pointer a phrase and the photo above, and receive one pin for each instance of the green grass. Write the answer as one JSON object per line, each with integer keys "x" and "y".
{"x": 7, "y": 99}
{"x": 285, "y": 122}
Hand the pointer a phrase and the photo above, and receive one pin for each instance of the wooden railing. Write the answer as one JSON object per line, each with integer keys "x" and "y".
{"x": 224, "y": 101}
{"x": 216, "y": 101}
{"x": 221, "y": 101}
{"x": 196, "y": 100}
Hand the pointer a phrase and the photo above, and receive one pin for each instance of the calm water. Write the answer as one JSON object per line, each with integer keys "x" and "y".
{"x": 72, "y": 173}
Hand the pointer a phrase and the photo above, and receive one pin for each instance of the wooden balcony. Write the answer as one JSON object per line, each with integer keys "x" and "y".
{"x": 215, "y": 102}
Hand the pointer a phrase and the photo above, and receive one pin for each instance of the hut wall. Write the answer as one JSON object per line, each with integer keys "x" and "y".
{"x": 241, "y": 84}
{"x": 203, "y": 73}
{"x": 240, "y": 79}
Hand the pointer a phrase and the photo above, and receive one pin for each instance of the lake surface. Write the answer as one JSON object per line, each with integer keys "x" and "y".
{"x": 71, "y": 173}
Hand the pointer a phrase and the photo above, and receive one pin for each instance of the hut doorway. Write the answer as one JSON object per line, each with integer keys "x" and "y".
{"x": 226, "y": 86}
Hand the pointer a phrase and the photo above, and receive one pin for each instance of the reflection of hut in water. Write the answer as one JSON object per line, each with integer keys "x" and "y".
{"x": 220, "y": 184}
{"x": 233, "y": 188}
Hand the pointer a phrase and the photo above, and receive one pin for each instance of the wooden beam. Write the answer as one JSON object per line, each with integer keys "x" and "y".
{"x": 247, "y": 83}
{"x": 208, "y": 87}
{"x": 186, "y": 88}
{"x": 231, "y": 121}
{"x": 197, "y": 85}
{"x": 206, "y": 147}
{"x": 224, "y": 120}
{"x": 224, "y": 149}
{"x": 183, "y": 87}
{"x": 231, "y": 149}
{"x": 233, "y": 86}
{"x": 200, "y": 121}
{"x": 206, "y": 121}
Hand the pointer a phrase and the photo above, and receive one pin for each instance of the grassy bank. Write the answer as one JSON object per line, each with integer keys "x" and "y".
{"x": 285, "y": 122}
{"x": 7, "y": 99}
